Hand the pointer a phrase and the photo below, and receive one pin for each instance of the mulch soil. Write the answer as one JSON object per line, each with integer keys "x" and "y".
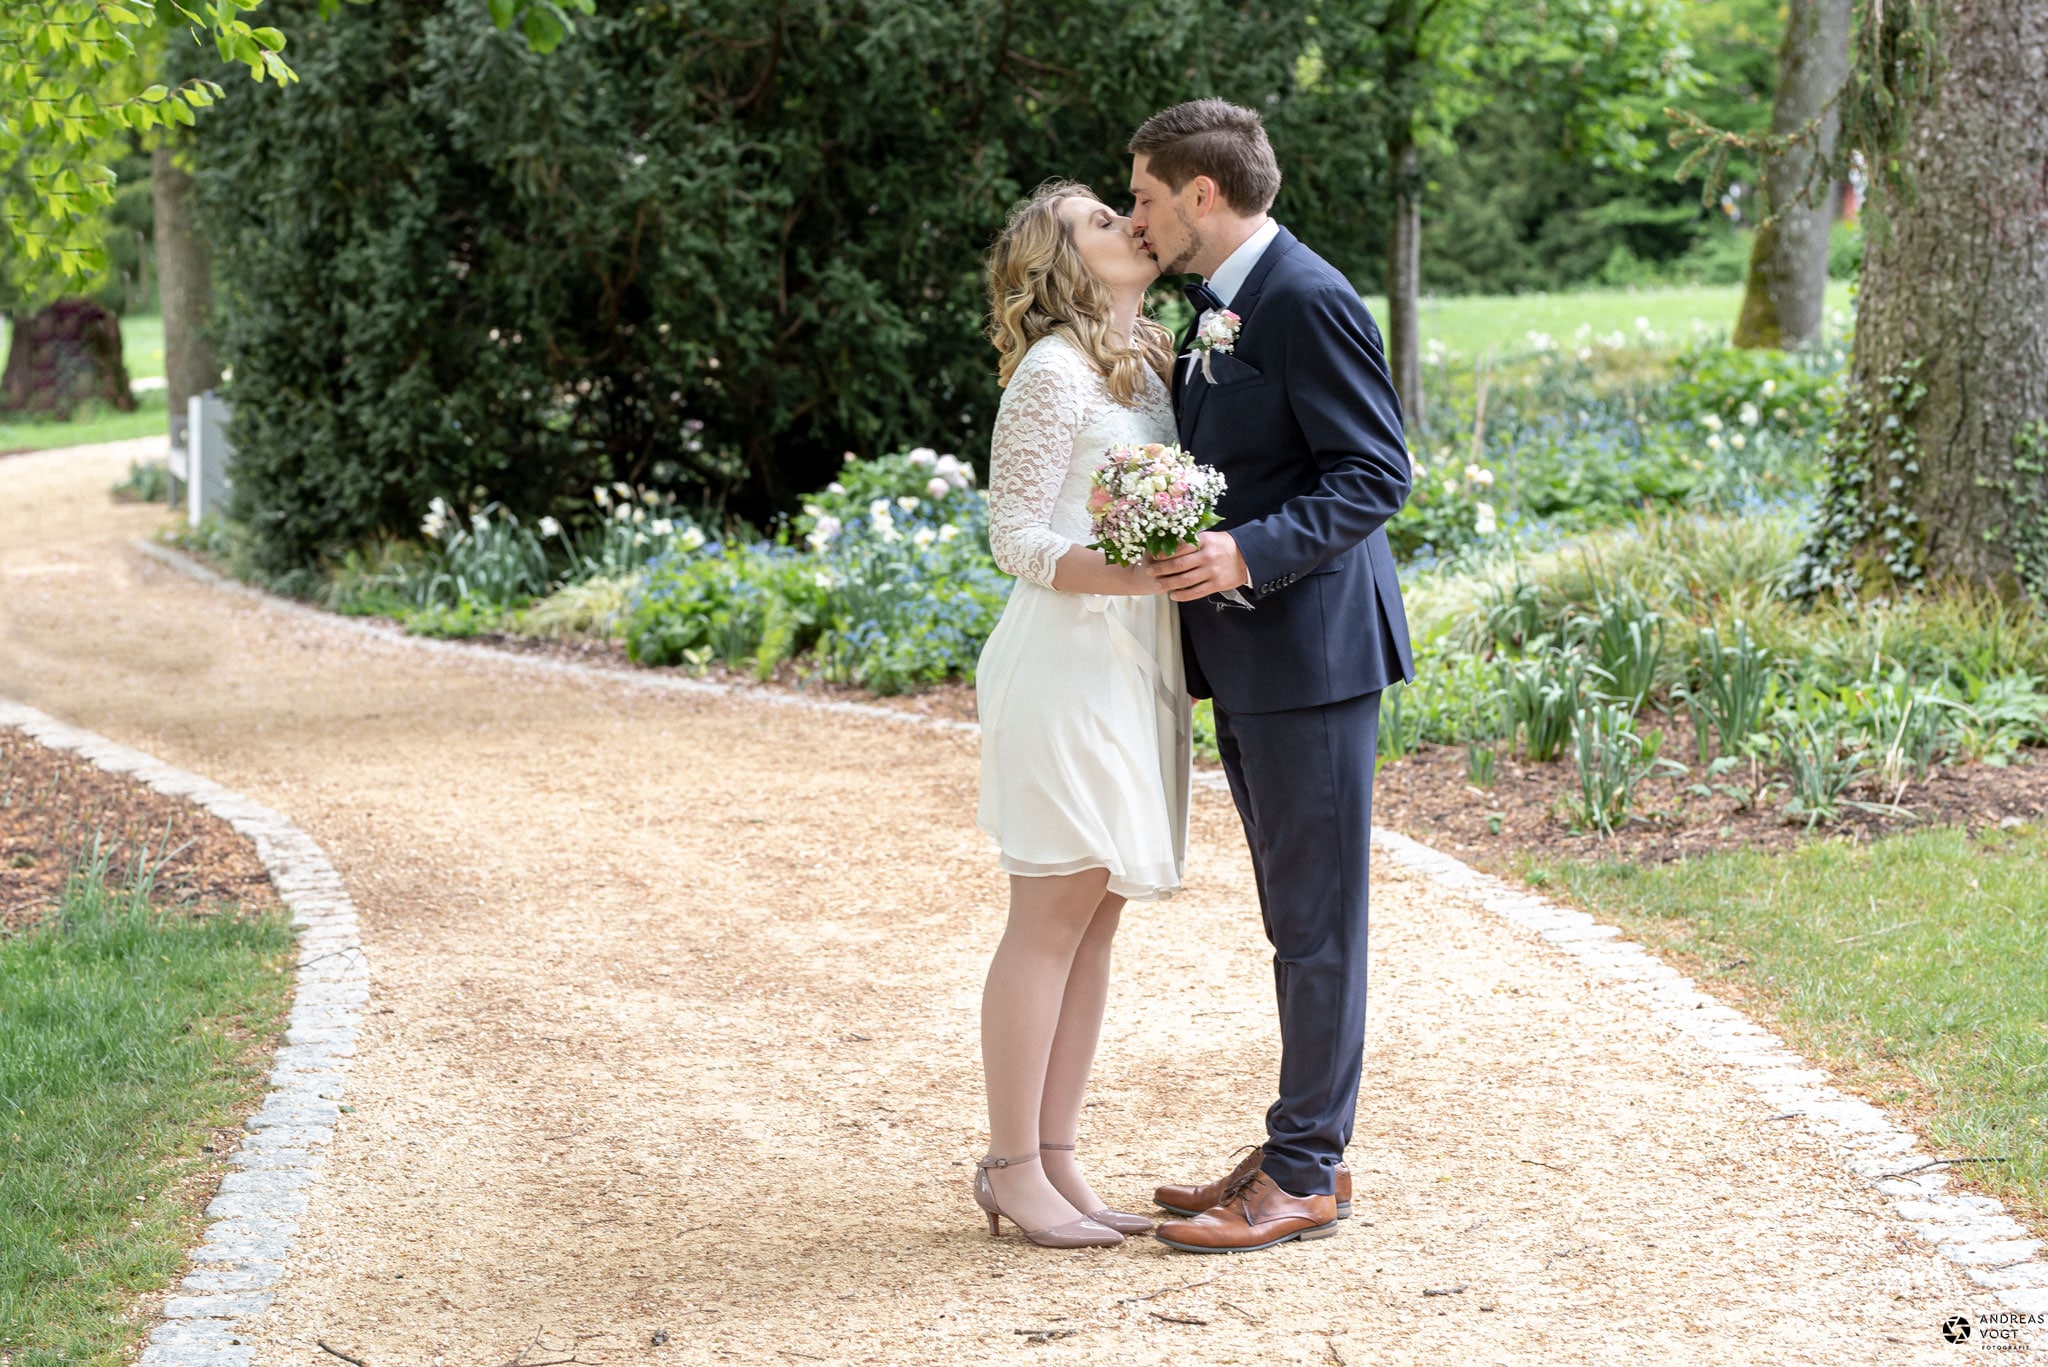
{"x": 1525, "y": 814}
{"x": 53, "y": 805}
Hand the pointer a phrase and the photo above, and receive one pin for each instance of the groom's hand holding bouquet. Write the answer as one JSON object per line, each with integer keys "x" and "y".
{"x": 1152, "y": 505}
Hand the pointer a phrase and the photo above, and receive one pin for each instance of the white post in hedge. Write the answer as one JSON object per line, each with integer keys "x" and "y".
{"x": 207, "y": 454}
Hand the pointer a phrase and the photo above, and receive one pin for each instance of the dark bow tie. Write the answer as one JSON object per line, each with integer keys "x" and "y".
{"x": 1201, "y": 296}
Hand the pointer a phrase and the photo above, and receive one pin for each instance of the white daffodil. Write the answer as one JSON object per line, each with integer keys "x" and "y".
{"x": 622, "y": 489}
{"x": 1749, "y": 415}
{"x": 661, "y": 526}
{"x": 1770, "y": 388}
{"x": 691, "y": 539}
{"x": 601, "y": 497}
{"x": 1738, "y": 441}
{"x": 650, "y": 496}
{"x": 1712, "y": 422}
{"x": 621, "y": 513}
{"x": 550, "y": 527}
{"x": 1713, "y": 443}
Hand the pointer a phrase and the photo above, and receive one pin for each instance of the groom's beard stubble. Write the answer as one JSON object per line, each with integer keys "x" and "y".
{"x": 1187, "y": 254}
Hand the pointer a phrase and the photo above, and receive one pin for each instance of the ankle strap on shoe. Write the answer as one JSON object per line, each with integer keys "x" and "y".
{"x": 1067, "y": 1147}
{"x": 1005, "y": 1162}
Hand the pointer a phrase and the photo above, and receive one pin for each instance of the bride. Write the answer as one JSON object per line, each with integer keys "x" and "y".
{"x": 1083, "y": 706}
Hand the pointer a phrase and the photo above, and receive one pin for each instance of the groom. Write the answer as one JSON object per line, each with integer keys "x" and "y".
{"x": 1299, "y": 415}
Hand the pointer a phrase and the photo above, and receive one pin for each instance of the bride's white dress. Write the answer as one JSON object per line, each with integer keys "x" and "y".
{"x": 1085, "y": 739}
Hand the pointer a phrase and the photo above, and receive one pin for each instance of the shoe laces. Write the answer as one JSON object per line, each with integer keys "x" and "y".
{"x": 1240, "y": 1186}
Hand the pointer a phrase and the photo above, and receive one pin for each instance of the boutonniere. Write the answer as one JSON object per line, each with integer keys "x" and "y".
{"x": 1218, "y": 334}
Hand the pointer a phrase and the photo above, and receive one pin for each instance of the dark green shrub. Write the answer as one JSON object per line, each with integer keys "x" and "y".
{"x": 708, "y": 245}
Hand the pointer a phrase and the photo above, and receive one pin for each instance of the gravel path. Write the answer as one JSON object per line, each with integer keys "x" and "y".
{"x": 672, "y": 1033}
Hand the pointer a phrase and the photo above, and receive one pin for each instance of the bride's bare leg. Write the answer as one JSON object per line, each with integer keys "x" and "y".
{"x": 1073, "y": 1054}
{"x": 1020, "y": 1011}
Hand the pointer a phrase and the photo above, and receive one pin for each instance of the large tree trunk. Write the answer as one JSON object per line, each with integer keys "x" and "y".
{"x": 1404, "y": 277}
{"x": 1940, "y": 466}
{"x": 61, "y": 356}
{"x": 1788, "y": 262}
{"x": 184, "y": 275}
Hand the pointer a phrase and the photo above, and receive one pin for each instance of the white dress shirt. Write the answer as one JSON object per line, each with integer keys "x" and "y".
{"x": 1231, "y": 275}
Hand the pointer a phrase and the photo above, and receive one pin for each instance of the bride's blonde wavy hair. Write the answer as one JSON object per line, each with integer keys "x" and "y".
{"x": 1038, "y": 285}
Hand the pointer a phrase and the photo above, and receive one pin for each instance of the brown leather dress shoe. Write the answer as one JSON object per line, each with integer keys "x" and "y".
{"x": 1188, "y": 1202}
{"x": 1254, "y": 1213}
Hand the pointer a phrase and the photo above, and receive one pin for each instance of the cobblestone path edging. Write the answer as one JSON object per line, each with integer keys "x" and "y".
{"x": 256, "y": 1211}
{"x": 1974, "y": 1232}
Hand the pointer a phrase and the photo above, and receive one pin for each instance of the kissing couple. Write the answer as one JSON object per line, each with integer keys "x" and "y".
{"x": 1288, "y": 615}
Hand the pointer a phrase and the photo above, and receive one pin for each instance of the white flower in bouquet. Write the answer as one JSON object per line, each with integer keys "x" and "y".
{"x": 691, "y": 539}
{"x": 938, "y": 488}
{"x": 1150, "y": 500}
{"x": 835, "y": 487}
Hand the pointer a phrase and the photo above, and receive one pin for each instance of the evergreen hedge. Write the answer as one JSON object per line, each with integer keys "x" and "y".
{"x": 708, "y": 245}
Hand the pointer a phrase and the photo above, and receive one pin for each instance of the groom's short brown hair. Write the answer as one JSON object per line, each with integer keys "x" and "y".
{"x": 1225, "y": 142}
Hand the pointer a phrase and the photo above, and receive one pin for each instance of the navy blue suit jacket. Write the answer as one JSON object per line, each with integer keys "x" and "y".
{"x": 1303, "y": 422}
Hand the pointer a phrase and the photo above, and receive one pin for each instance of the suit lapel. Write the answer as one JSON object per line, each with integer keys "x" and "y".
{"x": 1188, "y": 396}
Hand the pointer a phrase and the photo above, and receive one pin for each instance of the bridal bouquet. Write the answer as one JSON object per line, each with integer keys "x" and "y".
{"x": 1150, "y": 499}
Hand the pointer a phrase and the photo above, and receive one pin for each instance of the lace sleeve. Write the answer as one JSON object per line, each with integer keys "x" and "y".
{"x": 1029, "y": 451}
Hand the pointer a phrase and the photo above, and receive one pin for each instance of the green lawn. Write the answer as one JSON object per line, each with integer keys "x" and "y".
{"x": 125, "y": 1035}
{"x": 1911, "y": 967}
{"x": 95, "y": 424}
{"x": 1474, "y": 325}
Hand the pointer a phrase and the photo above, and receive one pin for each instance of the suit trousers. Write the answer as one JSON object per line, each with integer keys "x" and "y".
{"x": 1303, "y": 784}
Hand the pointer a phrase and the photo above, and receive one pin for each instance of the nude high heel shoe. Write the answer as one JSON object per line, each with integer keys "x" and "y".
{"x": 1073, "y": 1234}
{"x": 1122, "y": 1221}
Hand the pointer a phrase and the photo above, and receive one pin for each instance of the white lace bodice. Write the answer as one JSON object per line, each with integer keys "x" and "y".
{"x": 1055, "y": 423}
